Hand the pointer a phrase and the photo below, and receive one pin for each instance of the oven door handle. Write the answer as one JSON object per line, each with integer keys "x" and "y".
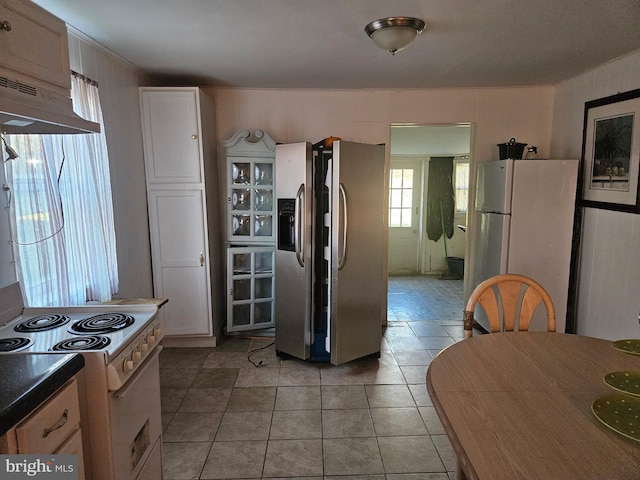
{"x": 122, "y": 392}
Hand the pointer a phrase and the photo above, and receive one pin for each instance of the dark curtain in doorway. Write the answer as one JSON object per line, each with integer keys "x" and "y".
{"x": 440, "y": 198}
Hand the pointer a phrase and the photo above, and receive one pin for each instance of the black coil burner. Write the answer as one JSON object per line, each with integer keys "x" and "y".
{"x": 86, "y": 342}
{"x": 102, "y": 323}
{"x": 42, "y": 323}
{"x": 14, "y": 344}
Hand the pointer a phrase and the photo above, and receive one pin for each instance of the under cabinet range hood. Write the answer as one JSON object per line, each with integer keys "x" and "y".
{"x": 30, "y": 109}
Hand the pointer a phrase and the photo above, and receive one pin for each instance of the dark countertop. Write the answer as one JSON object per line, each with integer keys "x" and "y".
{"x": 29, "y": 379}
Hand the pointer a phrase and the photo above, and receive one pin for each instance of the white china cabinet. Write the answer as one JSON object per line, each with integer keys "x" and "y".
{"x": 184, "y": 211}
{"x": 250, "y": 230}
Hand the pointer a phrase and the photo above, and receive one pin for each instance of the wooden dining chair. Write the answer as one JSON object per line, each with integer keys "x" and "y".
{"x": 509, "y": 301}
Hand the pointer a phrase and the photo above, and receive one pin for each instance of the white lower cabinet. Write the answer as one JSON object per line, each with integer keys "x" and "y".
{"x": 73, "y": 446}
{"x": 180, "y": 263}
{"x": 53, "y": 427}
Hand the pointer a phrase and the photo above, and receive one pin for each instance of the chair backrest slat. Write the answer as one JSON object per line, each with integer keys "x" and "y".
{"x": 510, "y": 295}
{"x": 489, "y": 303}
{"x": 530, "y": 302}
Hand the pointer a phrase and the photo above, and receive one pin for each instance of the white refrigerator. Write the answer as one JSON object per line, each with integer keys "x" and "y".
{"x": 525, "y": 214}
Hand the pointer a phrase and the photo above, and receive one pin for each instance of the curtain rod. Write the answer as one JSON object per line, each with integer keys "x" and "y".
{"x": 86, "y": 79}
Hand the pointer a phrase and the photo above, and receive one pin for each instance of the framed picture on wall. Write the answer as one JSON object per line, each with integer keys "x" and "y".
{"x": 611, "y": 153}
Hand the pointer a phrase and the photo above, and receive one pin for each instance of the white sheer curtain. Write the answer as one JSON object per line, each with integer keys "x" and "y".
{"x": 62, "y": 211}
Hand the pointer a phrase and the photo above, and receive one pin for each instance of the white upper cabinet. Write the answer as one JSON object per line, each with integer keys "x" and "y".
{"x": 171, "y": 141}
{"x": 33, "y": 46}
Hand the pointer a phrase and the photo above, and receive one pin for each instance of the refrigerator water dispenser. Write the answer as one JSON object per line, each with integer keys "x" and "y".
{"x": 286, "y": 224}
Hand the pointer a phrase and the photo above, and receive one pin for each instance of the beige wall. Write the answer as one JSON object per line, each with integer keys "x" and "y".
{"x": 549, "y": 117}
{"x": 290, "y": 116}
{"x": 366, "y": 116}
{"x": 609, "y": 281}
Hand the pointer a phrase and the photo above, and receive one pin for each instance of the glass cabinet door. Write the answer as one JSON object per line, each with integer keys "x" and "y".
{"x": 250, "y": 187}
{"x": 250, "y": 282}
{"x": 250, "y": 201}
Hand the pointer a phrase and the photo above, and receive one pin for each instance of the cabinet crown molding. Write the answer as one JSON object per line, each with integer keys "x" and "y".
{"x": 240, "y": 145}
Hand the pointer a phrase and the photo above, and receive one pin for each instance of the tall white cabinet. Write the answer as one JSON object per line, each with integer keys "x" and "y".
{"x": 178, "y": 126}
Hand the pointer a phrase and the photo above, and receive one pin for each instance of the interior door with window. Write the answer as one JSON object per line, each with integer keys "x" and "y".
{"x": 405, "y": 192}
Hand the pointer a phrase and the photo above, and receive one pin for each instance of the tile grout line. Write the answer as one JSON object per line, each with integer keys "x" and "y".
{"x": 390, "y": 351}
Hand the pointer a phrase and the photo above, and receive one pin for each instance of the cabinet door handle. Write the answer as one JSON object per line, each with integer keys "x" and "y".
{"x": 59, "y": 424}
{"x": 201, "y": 259}
{"x": 6, "y": 26}
{"x": 195, "y": 137}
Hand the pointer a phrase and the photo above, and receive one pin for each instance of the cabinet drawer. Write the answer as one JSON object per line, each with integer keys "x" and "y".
{"x": 73, "y": 446}
{"x": 51, "y": 424}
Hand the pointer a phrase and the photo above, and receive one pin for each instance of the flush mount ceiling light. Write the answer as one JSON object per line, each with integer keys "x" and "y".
{"x": 394, "y": 33}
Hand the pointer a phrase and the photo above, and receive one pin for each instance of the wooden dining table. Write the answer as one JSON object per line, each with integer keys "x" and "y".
{"x": 517, "y": 405}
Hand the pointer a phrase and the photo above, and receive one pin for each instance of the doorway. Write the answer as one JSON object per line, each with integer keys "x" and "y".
{"x": 412, "y": 148}
{"x": 405, "y": 197}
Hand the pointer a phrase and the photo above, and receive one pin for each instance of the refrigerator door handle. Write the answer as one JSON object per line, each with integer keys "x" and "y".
{"x": 299, "y": 225}
{"x": 345, "y": 223}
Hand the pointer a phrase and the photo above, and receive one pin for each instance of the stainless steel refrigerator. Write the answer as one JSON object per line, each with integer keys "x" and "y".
{"x": 329, "y": 288}
{"x": 525, "y": 226}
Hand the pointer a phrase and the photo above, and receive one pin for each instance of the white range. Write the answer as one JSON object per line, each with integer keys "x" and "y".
{"x": 119, "y": 387}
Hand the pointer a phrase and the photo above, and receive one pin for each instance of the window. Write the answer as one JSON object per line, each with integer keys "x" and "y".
{"x": 461, "y": 183}
{"x": 401, "y": 197}
{"x": 61, "y": 211}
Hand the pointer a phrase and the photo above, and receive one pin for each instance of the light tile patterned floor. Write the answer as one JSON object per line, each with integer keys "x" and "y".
{"x": 224, "y": 418}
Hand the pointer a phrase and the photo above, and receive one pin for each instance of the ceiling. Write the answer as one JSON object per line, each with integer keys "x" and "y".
{"x": 322, "y": 44}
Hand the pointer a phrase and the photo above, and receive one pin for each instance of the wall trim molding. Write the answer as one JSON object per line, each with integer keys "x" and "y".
{"x": 72, "y": 31}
